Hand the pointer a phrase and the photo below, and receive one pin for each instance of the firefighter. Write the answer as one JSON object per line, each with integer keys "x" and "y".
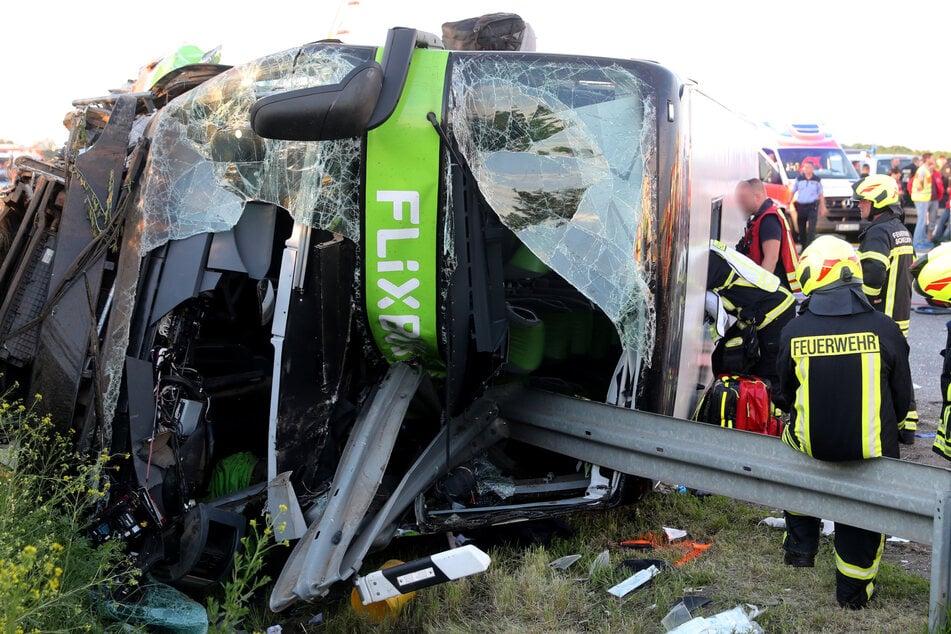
{"x": 767, "y": 239}
{"x": 932, "y": 275}
{"x": 843, "y": 368}
{"x": 886, "y": 253}
{"x": 761, "y": 306}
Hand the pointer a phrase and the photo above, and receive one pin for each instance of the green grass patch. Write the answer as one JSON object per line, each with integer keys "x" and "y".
{"x": 521, "y": 593}
{"x": 49, "y": 571}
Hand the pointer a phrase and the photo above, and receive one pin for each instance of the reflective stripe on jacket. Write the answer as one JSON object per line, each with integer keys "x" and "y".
{"x": 887, "y": 254}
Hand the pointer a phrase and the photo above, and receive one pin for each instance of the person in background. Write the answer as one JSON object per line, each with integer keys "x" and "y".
{"x": 913, "y": 168}
{"x": 808, "y": 197}
{"x": 866, "y": 170}
{"x": 923, "y": 193}
{"x": 843, "y": 370}
{"x": 907, "y": 176}
{"x": 940, "y": 189}
{"x": 886, "y": 256}
{"x": 944, "y": 167}
{"x": 857, "y": 165}
{"x": 767, "y": 239}
{"x": 944, "y": 170}
{"x": 895, "y": 173}
{"x": 938, "y": 236}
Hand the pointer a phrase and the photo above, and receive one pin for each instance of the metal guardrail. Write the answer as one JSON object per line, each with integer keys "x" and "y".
{"x": 899, "y": 498}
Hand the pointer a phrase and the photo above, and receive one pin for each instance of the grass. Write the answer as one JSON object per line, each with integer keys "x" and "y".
{"x": 49, "y": 571}
{"x": 520, "y": 593}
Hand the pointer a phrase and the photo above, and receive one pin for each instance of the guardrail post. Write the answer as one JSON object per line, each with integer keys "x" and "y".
{"x": 941, "y": 564}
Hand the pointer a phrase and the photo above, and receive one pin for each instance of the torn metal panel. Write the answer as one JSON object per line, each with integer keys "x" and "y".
{"x": 315, "y": 563}
{"x": 96, "y": 178}
{"x": 561, "y": 149}
{"x": 206, "y": 162}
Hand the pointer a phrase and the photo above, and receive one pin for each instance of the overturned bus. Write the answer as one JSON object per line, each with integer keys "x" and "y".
{"x": 306, "y": 282}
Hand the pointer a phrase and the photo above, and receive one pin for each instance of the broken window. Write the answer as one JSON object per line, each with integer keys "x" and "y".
{"x": 561, "y": 149}
{"x": 206, "y": 162}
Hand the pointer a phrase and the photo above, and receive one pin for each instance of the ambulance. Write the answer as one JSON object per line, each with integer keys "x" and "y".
{"x": 781, "y": 159}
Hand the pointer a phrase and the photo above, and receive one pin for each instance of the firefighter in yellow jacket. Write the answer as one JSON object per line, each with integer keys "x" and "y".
{"x": 932, "y": 273}
{"x": 886, "y": 254}
{"x": 844, "y": 375}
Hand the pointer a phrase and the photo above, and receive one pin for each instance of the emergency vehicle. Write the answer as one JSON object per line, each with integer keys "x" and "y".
{"x": 781, "y": 158}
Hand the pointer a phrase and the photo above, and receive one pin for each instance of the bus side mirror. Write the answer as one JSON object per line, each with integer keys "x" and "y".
{"x": 322, "y": 113}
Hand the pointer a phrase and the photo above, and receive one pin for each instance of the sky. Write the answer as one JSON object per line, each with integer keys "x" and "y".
{"x": 867, "y": 74}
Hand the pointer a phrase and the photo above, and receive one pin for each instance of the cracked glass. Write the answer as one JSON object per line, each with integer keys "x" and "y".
{"x": 206, "y": 162}
{"x": 561, "y": 149}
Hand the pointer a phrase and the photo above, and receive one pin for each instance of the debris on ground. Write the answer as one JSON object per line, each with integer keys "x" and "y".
{"x": 739, "y": 620}
{"x": 673, "y": 534}
{"x": 650, "y": 541}
{"x": 636, "y": 565}
{"x": 603, "y": 560}
{"x": 634, "y": 582}
{"x": 158, "y": 607}
{"x": 692, "y": 602}
{"x": 563, "y": 563}
{"x": 677, "y": 616}
{"x": 379, "y": 611}
{"x": 695, "y": 550}
{"x": 827, "y": 527}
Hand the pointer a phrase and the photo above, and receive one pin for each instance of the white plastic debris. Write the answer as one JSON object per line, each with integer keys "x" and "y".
{"x": 774, "y": 522}
{"x": 678, "y": 615}
{"x": 634, "y": 582}
{"x": 827, "y": 528}
{"x": 673, "y": 534}
{"x": 275, "y": 629}
{"x": 739, "y": 620}
{"x": 897, "y": 540}
{"x": 603, "y": 560}
{"x": 565, "y": 562}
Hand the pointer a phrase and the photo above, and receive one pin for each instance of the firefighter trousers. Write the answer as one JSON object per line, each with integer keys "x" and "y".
{"x": 942, "y": 441}
{"x": 857, "y": 555}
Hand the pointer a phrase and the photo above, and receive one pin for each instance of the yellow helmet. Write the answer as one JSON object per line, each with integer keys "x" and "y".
{"x": 880, "y": 189}
{"x": 932, "y": 275}
{"x": 827, "y": 263}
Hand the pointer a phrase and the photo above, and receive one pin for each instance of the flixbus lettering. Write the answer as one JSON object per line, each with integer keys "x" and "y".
{"x": 398, "y": 277}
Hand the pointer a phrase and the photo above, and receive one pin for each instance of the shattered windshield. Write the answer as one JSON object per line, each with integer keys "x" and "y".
{"x": 205, "y": 162}
{"x": 561, "y": 150}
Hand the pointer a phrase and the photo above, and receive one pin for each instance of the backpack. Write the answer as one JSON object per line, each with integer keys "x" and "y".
{"x": 739, "y": 402}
